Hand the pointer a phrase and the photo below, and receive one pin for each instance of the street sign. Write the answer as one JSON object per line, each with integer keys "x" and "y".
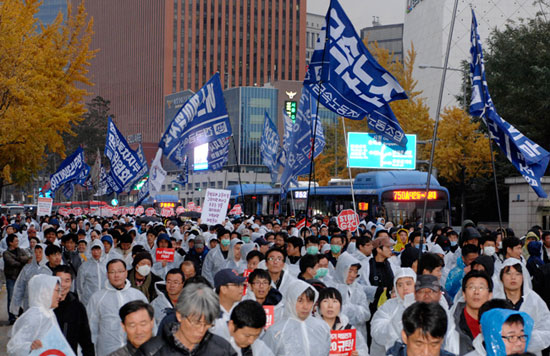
{"x": 368, "y": 150}
{"x": 348, "y": 220}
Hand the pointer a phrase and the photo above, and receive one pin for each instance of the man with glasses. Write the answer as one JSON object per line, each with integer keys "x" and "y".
{"x": 167, "y": 294}
{"x": 104, "y": 305}
{"x": 275, "y": 263}
{"x": 477, "y": 288}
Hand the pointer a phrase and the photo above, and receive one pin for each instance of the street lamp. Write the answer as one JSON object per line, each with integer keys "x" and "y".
{"x": 465, "y": 72}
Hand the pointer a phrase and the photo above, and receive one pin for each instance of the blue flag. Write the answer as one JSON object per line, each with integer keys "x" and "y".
{"x": 299, "y": 153}
{"x": 287, "y": 138}
{"x": 143, "y": 193}
{"x": 183, "y": 177}
{"x": 218, "y": 151}
{"x": 529, "y": 158}
{"x": 203, "y": 118}
{"x": 72, "y": 169}
{"x": 126, "y": 164}
{"x": 103, "y": 187}
{"x": 68, "y": 190}
{"x": 348, "y": 80}
{"x": 269, "y": 146}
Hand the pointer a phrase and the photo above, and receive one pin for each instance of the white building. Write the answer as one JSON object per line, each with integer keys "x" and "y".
{"x": 526, "y": 208}
{"x": 427, "y": 24}
{"x": 314, "y": 23}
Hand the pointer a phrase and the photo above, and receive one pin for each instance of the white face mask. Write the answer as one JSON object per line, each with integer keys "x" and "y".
{"x": 489, "y": 251}
{"x": 500, "y": 245}
{"x": 144, "y": 270}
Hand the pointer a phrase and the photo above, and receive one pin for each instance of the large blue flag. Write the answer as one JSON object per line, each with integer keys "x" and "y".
{"x": 218, "y": 151}
{"x": 299, "y": 153}
{"x": 529, "y": 158}
{"x": 183, "y": 177}
{"x": 72, "y": 169}
{"x": 269, "y": 147}
{"x": 287, "y": 138}
{"x": 203, "y": 118}
{"x": 348, "y": 80}
{"x": 126, "y": 165}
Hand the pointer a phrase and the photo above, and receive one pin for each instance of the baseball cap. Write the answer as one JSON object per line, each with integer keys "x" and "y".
{"x": 227, "y": 276}
{"x": 427, "y": 281}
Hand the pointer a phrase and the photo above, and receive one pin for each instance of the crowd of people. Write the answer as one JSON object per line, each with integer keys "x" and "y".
{"x": 259, "y": 285}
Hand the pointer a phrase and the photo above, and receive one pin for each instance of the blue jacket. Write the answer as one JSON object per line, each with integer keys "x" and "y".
{"x": 454, "y": 279}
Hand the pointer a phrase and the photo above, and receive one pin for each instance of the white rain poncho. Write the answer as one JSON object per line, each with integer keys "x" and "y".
{"x": 278, "y": 310}
{"x": 20, "y": 298}
{"x": 354, "y": 300}
{"x": 360, "y": 343}
{"x": 292, "y": 336}
{"x": 386, "y": 324}
{"x": 237, "y": 265}
{"x": 38, "y": 319}
{"x": 213, "y": 263}
{"x": 533, "y": 305}
{"x": 102, "y": 309}
{"x": 369, "y": 289}
{"x": 258, "y": 347}
{"x": 161, "y": 303}
{"x": 92, "y": 275}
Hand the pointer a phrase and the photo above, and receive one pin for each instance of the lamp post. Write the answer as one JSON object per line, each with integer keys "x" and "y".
{"x": 463, "y": 71}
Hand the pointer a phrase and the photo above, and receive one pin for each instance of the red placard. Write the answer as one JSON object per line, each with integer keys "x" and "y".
{"x": 150, "y": 211}
{"x": 237, "y": 210}
{"x": 342, "y": 342}
{"x": 198, "y": 209}
{"x": 190, "y": 205}
{"x": 63, "y": 211}
{"x": 180, "y": 210}
{"x": 269, "y": 315}
{"x": 165, "y": 254}
{"x": 167, "y": 212}
{"x": 246, "y": 273}
{"x": 348, "y": 220}
{"x": 139, "y": 210}
{"x": 77, "y": 211}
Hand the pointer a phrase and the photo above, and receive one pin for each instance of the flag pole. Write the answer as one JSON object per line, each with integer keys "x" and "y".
{"x": 495, "y": 180}
{"x": 349, "y": 168}
{"x": 312, "y": 151}
{"x": 440, "y": 99}
{"x": 238, "y": 169}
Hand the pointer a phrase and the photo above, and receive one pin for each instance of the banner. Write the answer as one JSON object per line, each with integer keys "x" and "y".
{"x": 72, "y": 169}
{"x": 215, "y": 204}
{"x": 299, "y": 153}
{"x": 342, "y": 342}
{"x": 348, "y": 220}
{"x": 287, "y": 139}
{"x": 165, "y": 254}
{"x": 529, "y": 158}
{"x": 156, "y": 174}
{"x": 44, "y": 206}
{"x": 203, "y": 118}
{"x": 269, "y": 146}
{"x": 183, "y": 178}
{"x": 126, "y": 164}
{"x": 269, "y": 315}
{"x": 348, "y": 80}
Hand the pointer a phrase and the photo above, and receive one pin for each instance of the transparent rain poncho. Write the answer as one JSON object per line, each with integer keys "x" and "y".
{"x": 92, "y": 275}
{"x": 491, "y": 328}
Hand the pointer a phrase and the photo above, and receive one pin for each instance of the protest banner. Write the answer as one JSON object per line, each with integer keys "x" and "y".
{"x": 215, "y": 206}
{"x": 165, "y": 254}
{"x": 44, "y": 206}
{"x": 348, "y": 220}
{"x": 342, "y": 342}
{"x": 269, "y": 315}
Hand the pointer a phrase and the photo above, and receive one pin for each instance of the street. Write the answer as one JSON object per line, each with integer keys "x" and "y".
{"x": 5, "y": 328}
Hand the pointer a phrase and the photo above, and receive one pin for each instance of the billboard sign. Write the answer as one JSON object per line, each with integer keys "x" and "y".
{"x": 368, "y": 150}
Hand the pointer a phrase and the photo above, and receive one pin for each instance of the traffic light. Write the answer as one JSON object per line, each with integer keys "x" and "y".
{"x": 176, "y": 188}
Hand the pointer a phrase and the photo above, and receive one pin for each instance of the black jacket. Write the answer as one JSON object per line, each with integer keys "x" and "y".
{"x": 73, "y": 321}
{"x": 14, "y": 261}
{"x": 164, "y": 345}
{"x": 466, "y": 338}
{"x": 72, "y": 259}
{"x": 400, "y": 349}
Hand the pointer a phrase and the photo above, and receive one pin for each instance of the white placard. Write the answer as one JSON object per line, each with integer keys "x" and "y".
{"x": 214, "y": 208}
{"x": 44, "y": 206}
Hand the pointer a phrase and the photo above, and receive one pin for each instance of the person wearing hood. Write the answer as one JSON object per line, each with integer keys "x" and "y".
{"x": 108, "y": 250}
{"x": 70, "y": 254}
{"x": 34, "y": 324}
{"x": 469, "y": 253}
{"x": 244, "y": 328}
{"x": 91, "y": 274}
{"x": 140, "y": 275}
{"x": 217, "y": 257}
{"x": 535, "y": 264}
{"x": 386, "y": 323}
{"x": 125, "y": 248}
{"x": 299, "y": 333}
{"x": 260, "y": 290}
{"x": 234, "y": 256}
{"x": 104, "y": 306}
{"x": 20, "y": 298}
{"x": 354, "y": 300}
{"x": 329, "y": 307}
{"x": 529, "y": 237}
{"x": 423, "y": 333}
{"x": 515, "y": 289}
{"x": 506, "y": 332}
{"x": 160, "y": 268}
{"x": 71, "y": 314}
{"x": 275, "y": 264}
{"x": 167, "y": 294}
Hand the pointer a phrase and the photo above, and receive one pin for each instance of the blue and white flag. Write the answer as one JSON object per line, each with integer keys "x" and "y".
{"x": 103, "y": 188}
{"x": 203, "y": 118}
{"x": 68, "y": 190}
{"x": 183, "y": 177}
{"x": 157, "y": 174}
{"x": 299, "y": 154}
{"x": 287, "y": 138}
{"x": 218, "y": 152}
{"x": 72, "y": 169}
{"x": 529, "y": 158}
{"x": 53, "y": 343}
{"x": 126, "y": 164}
{"x": 269, "y": 146}
{"x": 143, "y": 193}
{"x": 348, "y": 80}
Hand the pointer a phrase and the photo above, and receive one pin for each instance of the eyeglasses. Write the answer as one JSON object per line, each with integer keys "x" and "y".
{"x": 514, "y": 338}
{"x": 198, "y": 323}
{"x": 476, "y": 288}
{"x": 275, "y": 259}
{"x": 260, "y": 283}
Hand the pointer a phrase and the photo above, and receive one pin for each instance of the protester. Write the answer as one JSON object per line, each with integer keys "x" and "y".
{"x": 140, "y": 275}
{"x": 217, "y": 258}
{"x": 275, "y": 263}
{"x": 229, "y": 287}
{"x": 260, "y": 290}
{"x": 92, "y": 274}
{"x": 20, "y": 298}
{"x": 300, "y": 333}
{"x": 506, "y": 332}
{"x": 167, "y": 294}
{"x": 136, "y": 319}
{"x": 104, "y": 306}
{"x": 15, "y": 259}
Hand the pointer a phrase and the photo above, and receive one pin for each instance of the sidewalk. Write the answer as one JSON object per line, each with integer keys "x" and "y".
{"x": 5, "y": 328}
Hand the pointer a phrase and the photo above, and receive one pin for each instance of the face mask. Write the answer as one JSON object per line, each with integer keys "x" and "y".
{"x": 335, "y": 248}
{"x": 144, "y": 270}
{"x": 417, "y": 246}
{"x": 225, "y": 242}
{"x": 489, "y": 251}
{"x": 312, "y": 250}
{"x": 321, "y": 272}
{"x": 454, "y": 243}
{"x": 246, "y": 239}
{"x": 500, "y": 245}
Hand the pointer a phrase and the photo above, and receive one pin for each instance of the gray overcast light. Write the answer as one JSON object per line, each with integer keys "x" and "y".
{"x": 361, "y": 11}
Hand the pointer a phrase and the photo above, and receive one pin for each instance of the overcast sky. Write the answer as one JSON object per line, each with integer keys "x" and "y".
{"x": 361, "y": 11}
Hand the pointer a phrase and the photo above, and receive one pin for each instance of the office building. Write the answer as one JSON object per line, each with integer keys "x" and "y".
{"x": 314, "y": 24}
{"x": 389, "y": 37}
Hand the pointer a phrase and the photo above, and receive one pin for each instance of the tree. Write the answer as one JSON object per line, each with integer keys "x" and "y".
{"x": 41, "y": 68}
{"x": 462, "y": 152}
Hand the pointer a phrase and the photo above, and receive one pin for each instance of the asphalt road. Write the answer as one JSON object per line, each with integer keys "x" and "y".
{"x": 5, "y": 327}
